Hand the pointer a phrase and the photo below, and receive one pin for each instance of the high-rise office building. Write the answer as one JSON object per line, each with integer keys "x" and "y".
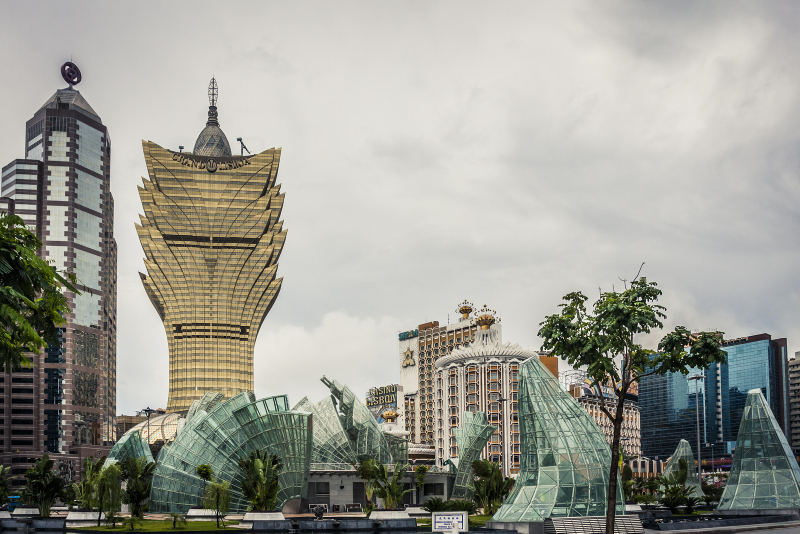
{"x": 65, "y": 404}
{"x": 212, "y": 237}
{"x": 794, "y": 403}
{"x": 668, "y": 403}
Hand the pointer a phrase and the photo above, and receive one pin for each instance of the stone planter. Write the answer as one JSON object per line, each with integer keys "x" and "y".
{"x": 389, "y": 514}
{"x": 84, "y": 519}
{"x": 201, "y": 514}
{"x": 49, "y": 523}
{"x": 25, "y": 511}
{"x": 250, "y": 517}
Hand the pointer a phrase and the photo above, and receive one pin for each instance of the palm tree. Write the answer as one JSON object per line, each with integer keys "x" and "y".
{"x": 390, "y": 486}
{"x": 44, "y": 485}
{"x": 4, "y": 479}
{"x": 366, "y": 471}
{"x": 138, "y": 483}
{"x": 218, "y": 498}
{"x": 260, "y": 485}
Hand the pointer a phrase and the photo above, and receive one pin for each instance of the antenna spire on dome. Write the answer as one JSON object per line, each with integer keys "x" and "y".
{"x": 212, "y": 93}
{"x": 212, "y": 103}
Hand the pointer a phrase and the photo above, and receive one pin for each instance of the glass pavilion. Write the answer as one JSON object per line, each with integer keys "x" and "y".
{"x": 764, "y": 474}
{"x": 565, "y": 459}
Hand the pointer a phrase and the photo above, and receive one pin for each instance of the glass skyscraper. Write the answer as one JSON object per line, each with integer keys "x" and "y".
{"x": 66, "y": 404}
{"x": 667, "y": 403}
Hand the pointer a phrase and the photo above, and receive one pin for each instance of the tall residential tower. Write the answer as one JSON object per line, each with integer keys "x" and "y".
{"x": 66, "y": 404}
{"x": 212, "y": 237}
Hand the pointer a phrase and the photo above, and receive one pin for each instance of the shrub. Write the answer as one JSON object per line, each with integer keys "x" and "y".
{"x": 462, "y": 506}
{"x": 435, "y": 505}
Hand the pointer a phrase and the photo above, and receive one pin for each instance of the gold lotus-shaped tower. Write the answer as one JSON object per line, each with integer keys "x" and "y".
{"x": 212, "y": 237}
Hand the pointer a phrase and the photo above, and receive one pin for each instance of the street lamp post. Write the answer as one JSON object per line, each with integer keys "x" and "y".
{"x": 148, "y": 412}
{"x": 696, "y": 378}
{"x": 713, "y": 467}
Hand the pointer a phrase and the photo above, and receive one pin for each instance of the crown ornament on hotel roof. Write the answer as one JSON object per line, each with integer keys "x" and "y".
{"x": 389, "y": 415}
{"x": 465, "y": 308}
{"x": 486, "y": 317}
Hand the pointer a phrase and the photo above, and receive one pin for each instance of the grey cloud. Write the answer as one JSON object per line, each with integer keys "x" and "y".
{"x": 505, "y": 153}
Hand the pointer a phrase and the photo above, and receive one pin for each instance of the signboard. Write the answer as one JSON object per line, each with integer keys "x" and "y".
{"x": 409, "y": 334}
{"x": 448, "y": 521}
{"x": 382, "y": 399}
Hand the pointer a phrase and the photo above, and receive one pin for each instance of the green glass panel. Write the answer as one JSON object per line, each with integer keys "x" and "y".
{"x": 471, "y": 437}
{"x": 764, "y": 474}
{"x": 131, "y": 445}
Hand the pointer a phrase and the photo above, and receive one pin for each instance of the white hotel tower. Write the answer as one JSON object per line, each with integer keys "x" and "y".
{"x": 463, "y": 367}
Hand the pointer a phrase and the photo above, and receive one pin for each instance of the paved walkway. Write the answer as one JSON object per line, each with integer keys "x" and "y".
{"x": 788, "y": 527}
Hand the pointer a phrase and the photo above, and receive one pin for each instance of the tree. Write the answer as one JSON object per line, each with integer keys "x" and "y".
{"x": 490, "y": 487}
{"x": 108, "y": 490}
{"x": 178, "y": 520}
{"x": 218, "y": 498}
{"x": 44, "y": 485}
{"x": 31, "y": 302}
{"x": 205, "y": 472}
{"x": 367, "y": 471}
{"x": 138, "y": 477}
{"x": 85, "y": 489}
{"x": 389, "y": 485}
{"x": 627, "y": 482}
{"x": 260, "y": 485}
{"x": 603, "y": 342}
{"x": 420, "y": 471}
{"x": 4, "y": 479}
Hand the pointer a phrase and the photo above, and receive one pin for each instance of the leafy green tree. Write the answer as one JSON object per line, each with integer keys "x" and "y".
{"x": 218, "y": 498}
{"x": 260, "y": 485}
{"x": 205, "y": 472}
{"x": 627, "y": 482}
{"x": 138, "y": 477}
{"x": 419, "y": 472}
{"x": 603, "y": 341}
{"x": 389, "y": 486}
{"x": 85, "y": 489}
{"x": 367, "y": 472}
{"x": 44, "y": 485}
{"x": 108, "y": 490}
{"x": 32, "y": 305}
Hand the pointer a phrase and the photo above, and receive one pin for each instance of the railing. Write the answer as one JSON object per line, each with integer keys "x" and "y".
{"x": 389, "y": 467}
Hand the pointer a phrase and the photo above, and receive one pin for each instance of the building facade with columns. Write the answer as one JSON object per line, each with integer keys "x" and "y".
{"x": 448, "y": 371}
{"x": 589, "y": 397}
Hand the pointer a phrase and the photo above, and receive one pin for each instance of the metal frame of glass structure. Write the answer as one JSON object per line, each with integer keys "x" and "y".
{"x": 684, "y": 452}
{"x": 131, "y": 445}
{"x": 565, "y": 460}
{"x": 471, "y": 437}
{"x": 764, "y": 474}
{"x": 367, "y": 440}
{"x": 220, "y": 437}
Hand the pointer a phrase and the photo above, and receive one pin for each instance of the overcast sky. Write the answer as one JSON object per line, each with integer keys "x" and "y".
{"x": 507, "y": 153}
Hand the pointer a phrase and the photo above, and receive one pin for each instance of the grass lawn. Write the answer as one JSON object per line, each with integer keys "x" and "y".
{"x": 478, "y": 520}
{"x": 150, "y": 525}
